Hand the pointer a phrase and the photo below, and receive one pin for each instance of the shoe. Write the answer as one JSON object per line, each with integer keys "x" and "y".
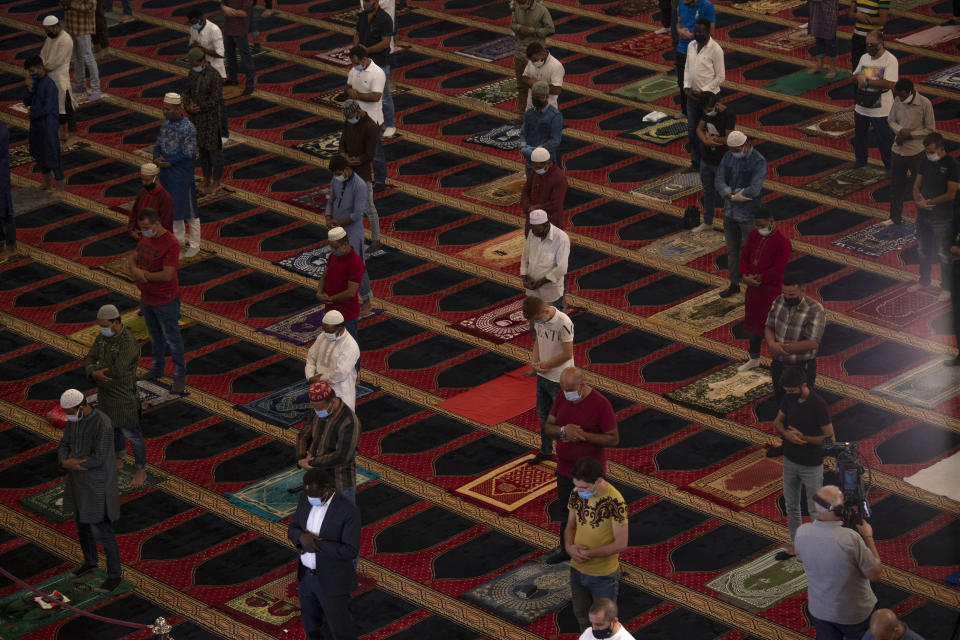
{"x": 556, "y": 556}
{"x": 389, "y": 132}
{"x": 150, "y": 375}
{"x": 540, "y": 457}
{"x": 661, "y": 31}
{"x": 231, "y": 83}
{"x": 192, "y": 251}
{"x": 730, "y": 291}
{"x": 82, "y": 570}
{"x": 109, "y": 585}
{"x": 749, "y": 365}
{"x": 783, "y": 555}
{"x": 179, "y": 386}
{"x": 775, "y": 452}
{"x": 96, "y": 95}
{"x": 246, "y": 91}
{"x": 702, "y": 227}
{"x": 377, "y": 188}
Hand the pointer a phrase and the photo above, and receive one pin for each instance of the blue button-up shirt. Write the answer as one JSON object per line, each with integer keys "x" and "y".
{"x": 541, "y": 129}
{"x": 348, "y": 199}
{"x": 745, "y": 173}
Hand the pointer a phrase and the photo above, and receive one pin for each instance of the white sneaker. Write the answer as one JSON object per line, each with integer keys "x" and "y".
{"x": 749, "y": 365}
{"x": 702, "y": 227}
{"x": 661, "y": 31}
{"x": 389, "y": 132}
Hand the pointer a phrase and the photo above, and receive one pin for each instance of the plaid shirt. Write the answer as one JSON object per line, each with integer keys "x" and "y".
{"x": 796, "y": 324}
{"x": 79, "y": 18}
{"x": 332, "y": 441}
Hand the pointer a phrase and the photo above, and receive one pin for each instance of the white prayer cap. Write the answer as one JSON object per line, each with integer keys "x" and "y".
{"x": 337, "y": 233}
{"x": 108, "y": 312}
{"x": 736, "y": 139}
{"x": 172, "y": 98}
{"x": 539, "y": 155}
{"x": 538, "y": 216}
{"x": 49, "y": 21}
{"x": 149, "y": 169}
{"x": 71, "y": 398}
{"x": 333, "y": 318}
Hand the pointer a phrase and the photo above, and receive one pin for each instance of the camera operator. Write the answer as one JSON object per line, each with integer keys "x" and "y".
{"x": 840, "y": 564}
{"x": 884, "y": 625}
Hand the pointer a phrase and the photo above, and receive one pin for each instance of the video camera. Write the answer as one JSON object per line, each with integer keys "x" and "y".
{"x": 851, "y": 481}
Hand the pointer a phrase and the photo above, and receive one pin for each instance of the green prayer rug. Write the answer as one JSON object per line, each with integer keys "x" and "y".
{"x": 725, "y": 390}
{"x": 661, "y": 133}
{"x": 494, "y": 93}
{"x": 843, "y": 182}
{"x": 649, "y": 89}
{"x": 759, "y": 584}
{"x": 799, "y": 82}
{"x": 272, "y": 499}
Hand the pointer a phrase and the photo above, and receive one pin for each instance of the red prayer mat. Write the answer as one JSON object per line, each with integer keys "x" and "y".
{"x": 498, "y": 400}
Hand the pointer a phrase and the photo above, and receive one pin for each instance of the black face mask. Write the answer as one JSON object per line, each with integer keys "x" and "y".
{"x": 52, "y": 35}
{"x": 701, "y": 40}
{"x": 600, "y": 634}
{"x": 791, "y": 302}
{"x": 793, "y": 396}
{"x": 873, "y": 49}
{"x": 151, "y": 186}
{"x": 538, "y": 103}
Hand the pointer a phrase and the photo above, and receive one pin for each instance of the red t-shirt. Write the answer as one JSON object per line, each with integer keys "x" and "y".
{"x": 153, "y": 254}
{"x": 340, "y": 271}
{"x": 594, "y": 414}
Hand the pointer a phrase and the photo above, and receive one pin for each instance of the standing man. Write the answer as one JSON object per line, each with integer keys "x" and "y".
{"x": 604, "y": 622}
{"x": 793, "y": 332}
{"x": 209, "y": 38}
{"x": 340, "y": 282}
{"x": 8, "y": 227}
{"x": 90, "y": 490}
{"x": 153, "y": 196}
{"x": 740, "y": 184}
{"x": 236, "y": 25}
{"x": 333, "y": 358}
{"x": 56, "y": 52}
{"x": 326, "y": 531}
{"x": 531, "y": 23}
{"x": 203, "y": 91}
{"x": 911, "y": 120}
{"x": 803, "y": 422}
{"x": 596, "y": 533}
{"x": 840, "y": 564}
{"x": 329, "y": 439}
{"x": 79, "y": 19}
{"x": 542, "y": 125}
{"x": 688, "y": 12}
{"x": 867, "y": 16}
{"x": 545, "y": 188}
{"x": 762, "y": 263}
{"x": 375, "y": 32}
{"x": 543, "y": 262}
{"x": 153, "y": 267}
{"x": 935, "y": 191}
{"x": 552, "y": 353}
{"x": 358, "y": 144}
{"x": 112, "y": 365}
{"x": 704, "y": 71}
{"x": 365, "y": 84}
{"x": 543, "y": 66}
{"x": 348, "y": 197}
{"x": 717, "y": 121}
{"x": 41, "y": 98}
{"x": 176, "y": 154}
{"x": 583, "y": 424}
{"x": 875, "y": 77}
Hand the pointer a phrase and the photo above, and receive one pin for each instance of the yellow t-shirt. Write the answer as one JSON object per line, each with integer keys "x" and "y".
{"x": 595, "y": 520}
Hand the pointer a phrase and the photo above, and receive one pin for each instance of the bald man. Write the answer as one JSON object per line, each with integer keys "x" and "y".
{"x": 884, "y": 625}
{"x": 840, "y": 564}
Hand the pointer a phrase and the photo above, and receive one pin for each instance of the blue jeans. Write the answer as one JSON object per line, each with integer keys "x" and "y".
{"x": 83, "y": 61}
{"x": 735, "y": 235}
{"x": 825, "y": 48}
{"x": 108, "y": 6}
{"x": 135, "y": 437}
{"x": 547, "y": 390}
{"x": 694, "y": 115}
{"x": 89, "y": 534}
{"x": 364, "y": 292}
{"x": 164, "y": 330}
{"x": 232, "y": 44}
{"x": 708, "y": 176}
{"x": 833, "y": 631}
{"x": 795, "y": 475}
{"x": 254, "y": 27}
{"x": 387, "y": 100}
{"x": 935, "y": 234}
{"x": 585, "y": 589}
{"x": 380, "y": 161}
{"x": 881, "y": 127}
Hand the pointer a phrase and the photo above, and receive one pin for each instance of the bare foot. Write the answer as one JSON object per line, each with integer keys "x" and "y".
{"x": 831, "y": 73}
{"x": 915, "y": 287}
{"x": 944, "y": 296}
{"x": 366, "y": 309}
{"x": 119, "y": 463}
{"x": 138, "y": 479}
{"x": 57, "y": 192}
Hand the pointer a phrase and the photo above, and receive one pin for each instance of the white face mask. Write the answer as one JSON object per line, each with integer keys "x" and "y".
{"x": 933, "y": 157}
{"x": 332, "y": 337}
{"x": 738, "y": 154}
{"x": 540, "y": 172}
{"x": 340, "y": 178}
{"x": 148, "y": 233}
{"x": 539, "y": 63}
{"x": 73, "y": 417}
{"x": 765, "y": 232}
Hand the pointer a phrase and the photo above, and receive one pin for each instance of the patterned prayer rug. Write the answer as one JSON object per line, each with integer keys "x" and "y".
{"x": 932, "y": 36}
{"x": 336, "y": 97}
{"x": 940, "y": 479}
{"x": 301, "y": 329}
{"x": 898, "y": 308}
{"x": 641, "y": 45}
{"x": 49, "y": 502}
{"x": 490, "y": 51}
{"x": 877, "y": 239}
{"x": 649, "y": 89}
{"x": 906, "y": 5}
{"x": 323, "y": 147}
{"x": 151, "y": 395}
{"x": 770, "y": 6}
{"x": 843, "y": 182}
{"x": 661, "y": 133}
{"x": 290, "y": 405}
{"x": 347, "y": 18}
{"x": 494, "y": 93}
{"x": 704, "y": 313}
{"x": 836, "y": 125}
{"x": 948, "y": 78}
{"x": 504, "y": 192}
{"x": 685, "y": 246}
{"x": 630, "y": 8}
{"x": 20, "y": 614}
{"x": 272, "y": 499}
{"x": 928, "y": 385}
{"x": 743, "y": 482}
{"x": 274, "y": 604}
{"x": 787, "y": 40}
{"x": 505, "y": 137}
{"x": 508, "y": 595}
{"x": 498, "y": 253}
{"x": 670, "y": 187}
{"x": 725, "y": 390}
{"x": 131, "y": 319}
{"x": 499, "y": 324}
{"x": 339, "y": 56}
{"x": 315, "y": 201}
{"x": 310, "y": 263}
{"x": 20, "y": 155}
{"x": 201, "y": 255}
{"x": 510, "y": 486}
{"x": 800, "y": 82}
{"x": 118, "y": 266}
{"x": 761, "y": 583}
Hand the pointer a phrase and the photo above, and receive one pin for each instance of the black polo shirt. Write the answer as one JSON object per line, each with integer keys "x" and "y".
{"x": 807, "y": 417}
{"x": 371, "y": 31}
{"x": 935, "y": 176}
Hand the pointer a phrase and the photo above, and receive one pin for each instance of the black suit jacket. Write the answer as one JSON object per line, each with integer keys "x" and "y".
{"x": 340, "y": 533}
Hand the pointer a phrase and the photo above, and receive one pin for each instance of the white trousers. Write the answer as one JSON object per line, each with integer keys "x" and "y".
{"x": 178, "y": 231}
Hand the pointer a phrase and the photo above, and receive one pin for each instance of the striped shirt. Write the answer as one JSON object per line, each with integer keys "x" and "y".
{"x": 117, "y": 397}
{"x": 805, "y": 321}
{"x": 332, "y": 441}
{"x": 871, "y": 8}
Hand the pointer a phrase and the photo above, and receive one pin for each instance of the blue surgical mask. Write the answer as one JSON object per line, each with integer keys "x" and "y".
{"x": 106, "y": 332}
{"x": 198, "y": 69}
{"x": 539, "y": 321}
{"x": 358, "y": 67}
{"x": 540, "y": 171}
{"x": 353, "y": 120}
{"x": 321, "y": 413}
{"x": 586, "y": 495}
{"x": 148, "y": 233}
{"x": 315, "y": 502}
{"x": 34, "y": 76}
{"x": 572, "y": 396}
{"x": 196, "y": 27}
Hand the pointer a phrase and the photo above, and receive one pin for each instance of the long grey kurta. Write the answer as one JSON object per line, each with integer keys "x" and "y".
{"x": 205, "y": 88}
{"x": 91, "y": 494}
{"x": 118, "y": 397}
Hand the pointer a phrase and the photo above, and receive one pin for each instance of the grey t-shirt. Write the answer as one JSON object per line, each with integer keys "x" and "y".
{"x": 836, "y": 560}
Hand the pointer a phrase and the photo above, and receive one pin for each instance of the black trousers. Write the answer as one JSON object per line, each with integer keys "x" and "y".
{"x": 318, "y": 609}
{"x": 564, "y": 488}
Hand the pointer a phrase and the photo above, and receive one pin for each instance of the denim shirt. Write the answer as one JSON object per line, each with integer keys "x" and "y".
{"x": 541, "y": 129}
{"x": 745, "y": 173}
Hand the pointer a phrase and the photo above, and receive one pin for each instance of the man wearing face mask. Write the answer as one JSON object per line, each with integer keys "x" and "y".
{"x": 542, "y": 125}
{"x": 375, "y": 33}
{"x": 911, "y": 120}
{"x": 41, "y": 98}
{"x": 717, "y": 121}
{"x": 875, "y": 77}
{"x": 326, "y": 532}
{"x": 334, "y": 358}
{"x": 762, "y": 262}
{"x": 543, "y": 262}
{"x": 531, "y": 23}
{"x": 365, "y": 84}
{"x": 604, "y": 623}
{"x": 739, "y": 183}
{"x": 112, "y": 365}
{"x": 202, "y": 93}
{"x": 583, "y": 424}
{"x": 688, "y": 12}
{"x": 358, "y": 144}
{"x": 935, "y": 191}
{"x": 90, "y": 491}
{"x": 340, "y": 282}
{"x": 209, "y": 38}
{"x": 543, "y": 66}
{"x": 545, "y": 188}
{"x": 175, "y": 152}
{"x": 703, "y": 73}
{"x": 56, "y": 53}
{"x": 329, "y": 439}
{"x": 236, "y": 25}
{"x": 153, "y": 196}
{"x": 793, "y": 332}
{"x": 348, "y": 198}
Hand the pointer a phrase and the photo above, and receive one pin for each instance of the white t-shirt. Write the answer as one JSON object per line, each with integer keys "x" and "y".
{"x": 623, "y": 634}
{"x": 314, "y": 522}
{"x": 885, "y": 67}
{"x": 370, "y": 80}
{"x": 210, "y": 37}
{"x": 550, "y": 338}
{"x": 551, "y": 72}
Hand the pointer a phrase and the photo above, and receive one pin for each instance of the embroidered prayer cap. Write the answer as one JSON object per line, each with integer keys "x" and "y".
{"x": 336, "y": 233}
{"x": 333, "y": 318}
{"x": 71, "y": 398}
{"x": 172, "y": 98}
{"x": 736, "y": 139}
{"x": 108, "y": 312}
{"x": 539, "y": 155}
{"x": 149, "y": 169}
{"x": 49, "y": 21}
{"x": 350, "y": 106}
{"x": 319, "y": 391}
{"x": 540, "y": 88}
{"x": 195, "y": 55}
{"x": 538, "y": 216}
